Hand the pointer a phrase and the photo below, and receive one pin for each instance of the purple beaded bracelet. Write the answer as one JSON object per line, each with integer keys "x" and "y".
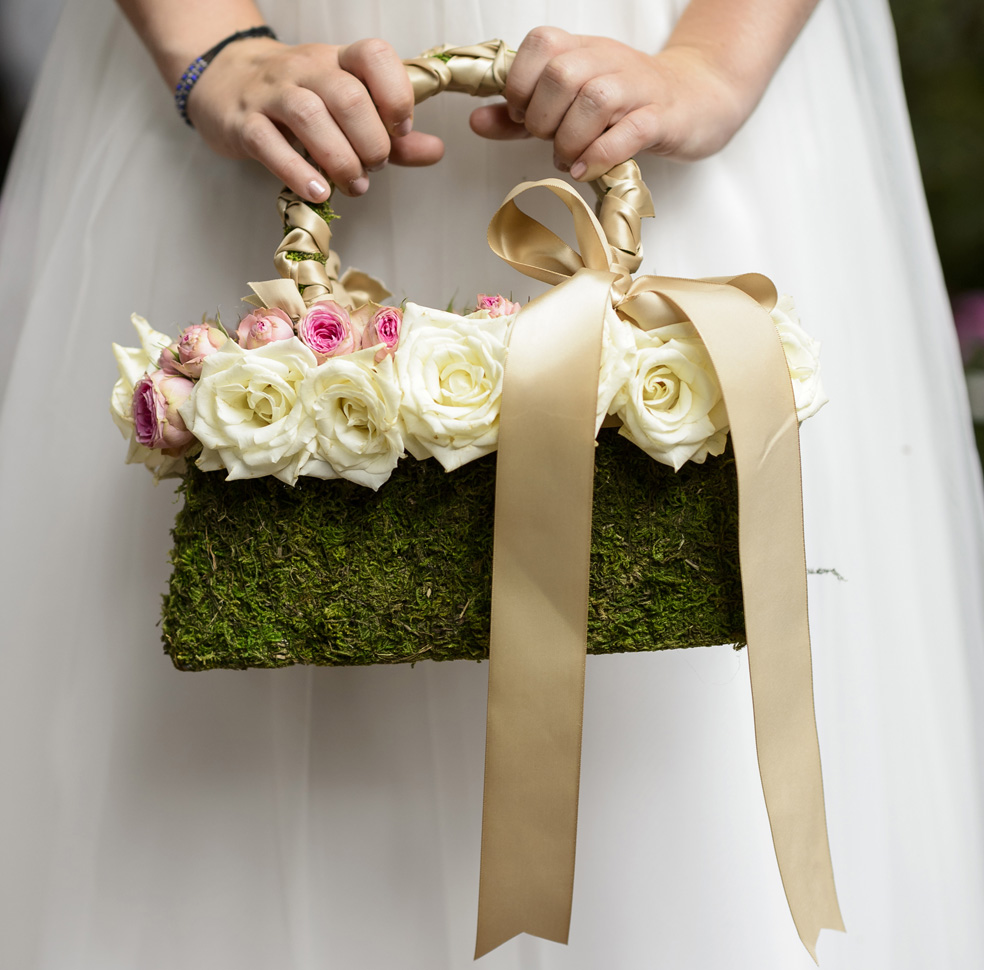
{"x": 194, "y": 72}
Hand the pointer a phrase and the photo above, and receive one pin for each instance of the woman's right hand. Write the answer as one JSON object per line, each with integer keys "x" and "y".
{"x": 350, "y": 107}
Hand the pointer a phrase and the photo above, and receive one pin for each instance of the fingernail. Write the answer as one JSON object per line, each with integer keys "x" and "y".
{"x": 404, "y": 127}
{"x": 578, "y": 169}
{"x": 316, "y": 189}
{"x": 358, "y": 186}
{"x": 561, "y": 164}
{"x": 379, "y": 167}
{"x": 517, "y": 115}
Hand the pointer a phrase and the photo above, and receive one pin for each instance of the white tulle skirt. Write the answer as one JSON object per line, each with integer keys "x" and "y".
{"x": 301, "y": 819}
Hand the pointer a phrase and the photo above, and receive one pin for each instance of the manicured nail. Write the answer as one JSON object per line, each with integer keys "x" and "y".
{"x": 578, "y": 169}
{"x": 358, "y": 186}
{"x": 404, "y": 127}
{"x": 379, "y": 167}
{"x": 559, "y": 163}
{"x": 316, "y": 189}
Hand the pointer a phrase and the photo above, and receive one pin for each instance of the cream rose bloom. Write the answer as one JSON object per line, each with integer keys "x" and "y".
{"x": 355, "y": 405}
{"x": 802, "y": 357}
{"x": 618, "y": 351}
{"x": 671, "y": 405}
{"x": 450, "y": 371}
{"x": 617, "y": 355}
{"x": 133, "y": 363}
{"x": 246, "y": 410}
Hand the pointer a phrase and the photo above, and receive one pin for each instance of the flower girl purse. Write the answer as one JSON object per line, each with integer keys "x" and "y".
{"x": 371, "y": 484}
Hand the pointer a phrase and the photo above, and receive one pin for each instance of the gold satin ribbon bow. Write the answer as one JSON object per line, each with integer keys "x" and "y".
{"x": 542, "y": 549}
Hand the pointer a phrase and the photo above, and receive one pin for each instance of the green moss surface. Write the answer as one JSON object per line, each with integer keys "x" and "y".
{"x": 332, "y": 573}
{"x": 296, "y": 257}
{"x": 323, "y": 209}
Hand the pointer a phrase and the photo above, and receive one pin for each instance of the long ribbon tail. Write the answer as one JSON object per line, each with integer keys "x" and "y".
{"x": 748, "y": 357}
{"x": 544, "y": 485}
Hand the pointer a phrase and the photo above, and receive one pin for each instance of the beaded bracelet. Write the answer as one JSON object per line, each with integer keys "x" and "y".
{"x": 194, "y": 72}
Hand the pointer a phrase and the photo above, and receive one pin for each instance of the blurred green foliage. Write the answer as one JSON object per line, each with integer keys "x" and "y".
{"x": 941, "y": 45}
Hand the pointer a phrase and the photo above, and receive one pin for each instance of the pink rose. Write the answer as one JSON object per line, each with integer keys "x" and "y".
{"x": 156, "y": 399}
{"x": 262, "y": 327}
{"x": 186, "y": 355}
{"x": 498, "y": 306}
{"x": 384, "y": 328}
{"x": 328, "y": 330}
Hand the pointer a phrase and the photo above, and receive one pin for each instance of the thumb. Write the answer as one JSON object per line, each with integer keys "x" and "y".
{"x": 417, "y": 148}
{"x": 493, "y": 121}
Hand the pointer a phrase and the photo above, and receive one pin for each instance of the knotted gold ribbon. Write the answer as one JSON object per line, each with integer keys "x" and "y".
{"x": 542, "y": 551}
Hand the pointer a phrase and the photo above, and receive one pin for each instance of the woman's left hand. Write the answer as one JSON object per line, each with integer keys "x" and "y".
{"x": 602, "y": 102}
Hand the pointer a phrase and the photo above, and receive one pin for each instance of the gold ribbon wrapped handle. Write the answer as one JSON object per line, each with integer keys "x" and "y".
{"x": 479, "y": 70}
{"x": 310, "y": 270}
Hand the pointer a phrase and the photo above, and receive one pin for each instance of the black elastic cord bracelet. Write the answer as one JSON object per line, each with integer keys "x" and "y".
{"x": 194, "y": 72}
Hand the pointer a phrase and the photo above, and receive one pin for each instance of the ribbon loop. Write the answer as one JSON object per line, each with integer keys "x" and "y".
{"x": 536, "y": 251}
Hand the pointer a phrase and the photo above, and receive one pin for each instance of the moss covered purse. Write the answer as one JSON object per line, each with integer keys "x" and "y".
{"x": 309, "y": 536}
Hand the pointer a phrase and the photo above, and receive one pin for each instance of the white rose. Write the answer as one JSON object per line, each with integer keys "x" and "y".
{"x": 671, "y": 406}
{"x": 802, "y": 358}
{"x": 450, "y": 370}
{"x": 356, "y": 409}
{"x": 246, "y": 410}
{"x": 618, "y": 351}
{"x": 133, "y": 363}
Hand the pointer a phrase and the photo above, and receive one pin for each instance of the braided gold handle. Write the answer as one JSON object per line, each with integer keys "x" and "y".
{"x": 480, "y": 70}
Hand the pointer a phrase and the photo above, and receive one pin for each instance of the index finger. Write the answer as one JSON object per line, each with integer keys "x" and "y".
{"x": 540, "y": 46}
{"x": 377, "y": 65}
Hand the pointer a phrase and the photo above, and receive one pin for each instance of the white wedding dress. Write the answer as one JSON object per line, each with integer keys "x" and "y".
{"x": 315, "y": 818}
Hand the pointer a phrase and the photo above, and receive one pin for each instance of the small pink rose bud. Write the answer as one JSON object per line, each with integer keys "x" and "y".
{"x": 170, "y": 360}
{"x": 327, "y": 329}
{"x": 498, "y": 305}
{"x": 262, "y": 327}
{"x": 186, "y": 355}
{"x": 384, "y": 328}
{"x": 156, "y": 399}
